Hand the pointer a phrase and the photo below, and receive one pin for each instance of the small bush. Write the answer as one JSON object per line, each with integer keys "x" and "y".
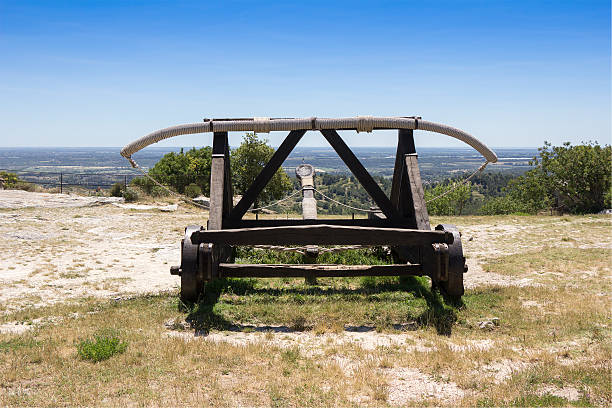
{"x": 193, "y": 190}
{"x": 102, "y": 347}
{"x": 130, "y": 195}
{"x": 504, "y": 205}
{"x": 148, "y": 187}
{"x": 25, "y": 186}
{"x": 9, "y": 179}
{"x": 157, "y": 191}
{"x": 116, "y": 190}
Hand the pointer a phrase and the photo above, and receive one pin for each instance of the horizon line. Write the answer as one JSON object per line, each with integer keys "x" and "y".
{"x": 310, "y": 147}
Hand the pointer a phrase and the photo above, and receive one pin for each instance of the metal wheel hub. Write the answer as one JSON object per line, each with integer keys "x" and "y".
{"x": 455, "y": 266}
{"x": 193, "y": 265}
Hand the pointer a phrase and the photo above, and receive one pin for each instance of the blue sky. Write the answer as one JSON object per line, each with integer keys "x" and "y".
{"x": 102, "y": 73}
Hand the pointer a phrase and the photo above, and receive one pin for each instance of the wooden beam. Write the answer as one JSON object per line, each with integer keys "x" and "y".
{"x": 360, "y": 172}
{"x": 316, "y": 270}
{"x": 217, "y": 181}
{"x": 228, "y": 201}
{"x": 415, "y": 187}
{"x": 405, "y": 145}
{"x": 266, "y": 174}
{"x": 360, "y": 222}
{"x": 219, "y": 196}
{"x": 321, "y": 235}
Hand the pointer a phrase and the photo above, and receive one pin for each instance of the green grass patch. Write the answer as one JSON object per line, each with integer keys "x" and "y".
{"x": 367, "y": 256}
{"x": 547, "y": 400}
{"x": 102, "y": 346}
{"x": 383, "y": 303}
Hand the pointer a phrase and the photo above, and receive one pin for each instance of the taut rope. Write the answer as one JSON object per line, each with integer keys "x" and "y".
{"x": 190, "y": 201}
{"x": 456, "y": 185}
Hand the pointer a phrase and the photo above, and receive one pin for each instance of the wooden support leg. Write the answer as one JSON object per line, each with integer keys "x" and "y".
{"x": 417, "y": 195}
{"x": 405, "y": 145}
{"x": 220, "y": 194}
{"x": 407, "y": 194}
{"x": 228, "y": 199}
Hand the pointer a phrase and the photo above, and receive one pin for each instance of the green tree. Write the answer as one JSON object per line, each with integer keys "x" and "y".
{"x": 178, "y": 170}
{"x": 248, "y": 160}
{"x": 450, "y": 202}
{"x": 575, "y": 179}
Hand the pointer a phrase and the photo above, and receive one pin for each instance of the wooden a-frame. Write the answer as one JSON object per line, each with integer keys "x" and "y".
{"x": 404, "y": 209}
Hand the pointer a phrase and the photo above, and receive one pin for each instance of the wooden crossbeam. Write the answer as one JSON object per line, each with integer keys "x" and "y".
{"x": 316, "y": 270}
{"x": 321, "y": 235}
{"x": 266, "y": 174}
{"x": 360, "y": 172}
{"x": 359, "y": 222}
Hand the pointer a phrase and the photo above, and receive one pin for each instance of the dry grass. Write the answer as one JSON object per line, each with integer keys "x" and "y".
{"x": 345, "y": 342}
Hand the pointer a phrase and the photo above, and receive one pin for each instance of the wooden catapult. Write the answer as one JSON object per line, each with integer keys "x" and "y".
{"x": 403, "y": 224}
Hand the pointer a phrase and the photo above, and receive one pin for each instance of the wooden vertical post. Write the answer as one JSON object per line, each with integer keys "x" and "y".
{"x": 407, "y": 194}
{"x": 219, "y": 195}
{"x": 405, "y": 145}
{"x": 217, "y": 181}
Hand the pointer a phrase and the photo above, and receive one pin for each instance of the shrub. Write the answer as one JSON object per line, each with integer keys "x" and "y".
{"x": 142, "y": 183}
{"x": 157, "y": 191}
{"x": 148, "y": 187}
{"x": 130, "y": 195}
{"x": 193, "y": 190}
{"x": 116, "y": 190}
{"x": 25, "y": 186}
{"x": 575, "y": 179}
{"x": 505, "y": 205}
{"x": 10, "y": 179}
{"x": 103, "y": 346}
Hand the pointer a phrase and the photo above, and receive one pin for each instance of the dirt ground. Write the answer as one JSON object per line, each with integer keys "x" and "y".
{"x": 61, "y": 249}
